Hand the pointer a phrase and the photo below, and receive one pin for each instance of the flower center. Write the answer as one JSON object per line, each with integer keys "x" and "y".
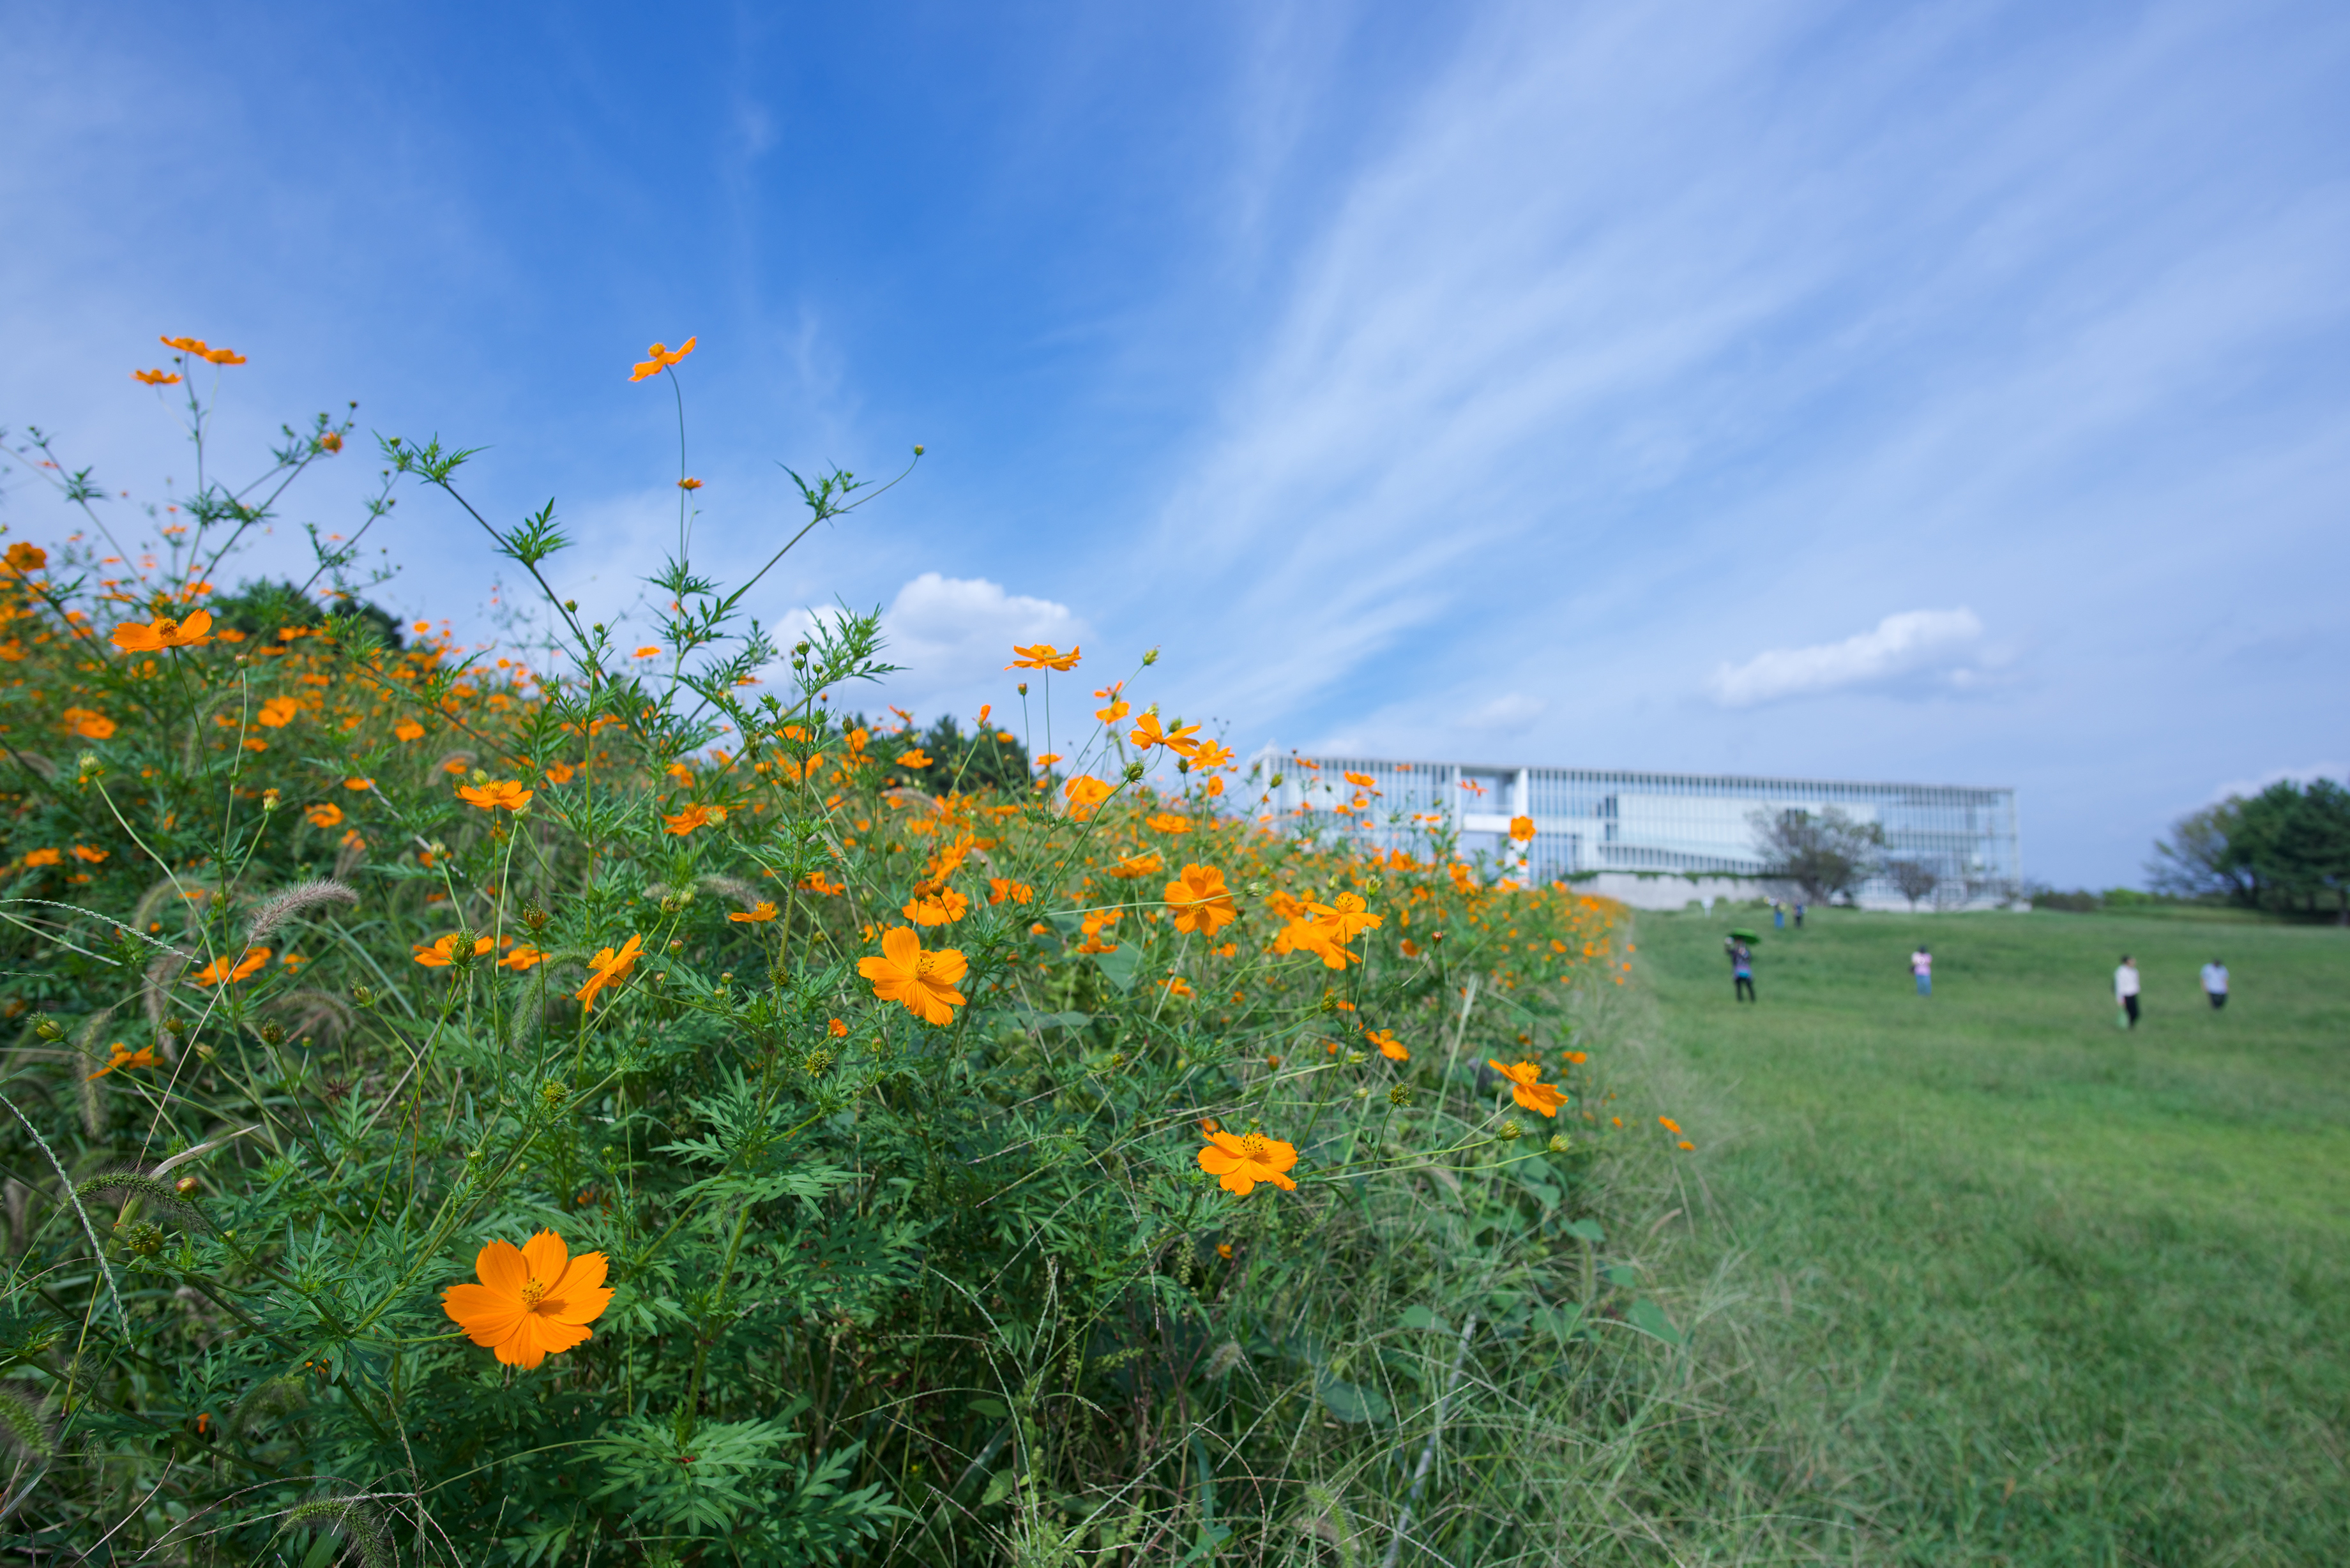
{"x": 1252, "y": 1146}
{"x": 167, "y": 627}
{"x": 531, "y": 1294}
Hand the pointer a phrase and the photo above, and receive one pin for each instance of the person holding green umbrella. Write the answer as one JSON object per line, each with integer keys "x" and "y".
{"x": 1738, "y": 944}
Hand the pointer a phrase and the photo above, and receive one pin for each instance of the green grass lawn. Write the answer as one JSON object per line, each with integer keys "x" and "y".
{"x": 2003, "y": 1282}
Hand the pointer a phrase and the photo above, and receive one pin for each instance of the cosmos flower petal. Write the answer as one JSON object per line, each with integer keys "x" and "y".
{"x": 503, "y": 1267}
{"x": 553, "y": 1334}
{"x": 487, "y": 1316}
{"x": 547, "y": 1256}
{"x": 586, "y": 1273}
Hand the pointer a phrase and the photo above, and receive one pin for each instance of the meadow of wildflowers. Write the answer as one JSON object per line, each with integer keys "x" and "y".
{"x": 601, "y": 1099}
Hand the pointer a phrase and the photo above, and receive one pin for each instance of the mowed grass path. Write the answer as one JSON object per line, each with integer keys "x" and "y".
{"x": 2008, "y": 1284}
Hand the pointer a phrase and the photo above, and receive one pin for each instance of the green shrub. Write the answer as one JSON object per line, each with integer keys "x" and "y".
{"x": 340, "y": 967}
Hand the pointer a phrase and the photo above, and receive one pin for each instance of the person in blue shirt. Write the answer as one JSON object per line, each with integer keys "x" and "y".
{"x": 1778, "y": 916}
{"x": 2215, "y": 983}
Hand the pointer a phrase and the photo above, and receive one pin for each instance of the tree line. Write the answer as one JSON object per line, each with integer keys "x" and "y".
{"x": 2286, "y": 850}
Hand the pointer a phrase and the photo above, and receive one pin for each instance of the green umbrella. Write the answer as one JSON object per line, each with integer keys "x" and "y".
{"x": 1744, "y": 935}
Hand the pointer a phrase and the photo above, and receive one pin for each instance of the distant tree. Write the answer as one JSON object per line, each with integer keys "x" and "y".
{"x": 2286, "y": 849}
{"x": 1913, "y": 878}
{"x": 1823, "y": 853}
{"x": 262, "y": 608}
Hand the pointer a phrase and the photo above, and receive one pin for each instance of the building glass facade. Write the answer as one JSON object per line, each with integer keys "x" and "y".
{"x": 1589, "y": 821}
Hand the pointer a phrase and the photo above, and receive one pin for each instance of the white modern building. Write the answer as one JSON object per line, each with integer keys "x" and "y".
{"x": 1655, "y": 840}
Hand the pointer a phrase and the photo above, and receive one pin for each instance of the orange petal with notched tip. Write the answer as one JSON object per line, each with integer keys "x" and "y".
{"x": 503, "y": 1267}
{"x": 547, "y": 1256}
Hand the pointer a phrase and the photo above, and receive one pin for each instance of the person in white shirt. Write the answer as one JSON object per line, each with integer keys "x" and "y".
{"x": 2126, "y": 989}
{"x": 2215, "y": 983}
{"x": 1921, "y": 964}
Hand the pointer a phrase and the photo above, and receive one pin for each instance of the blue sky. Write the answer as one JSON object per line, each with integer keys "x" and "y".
{"x": 1954, "y": 392}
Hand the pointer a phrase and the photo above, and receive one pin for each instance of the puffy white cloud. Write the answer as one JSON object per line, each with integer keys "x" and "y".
{"x": 952, "y": 637}
{"x": 1901, "y": 644}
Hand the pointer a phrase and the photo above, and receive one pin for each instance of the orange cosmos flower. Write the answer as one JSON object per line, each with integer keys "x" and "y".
{"x": 533, "y": 1300}
{"x": 143, "y": 1057}
{"x": 917, "y": 758}
{"x": 1393, "y": 1049}
{"x": 1210, "y": 754}
{"x": 924, "y": 983}
{"x": 1176, "y": 986}
{"x": 409, "y": 730}
{"x": 359, "y": 783}
{"x": 88, "y": 723}
{"x": 156, "y": 378}
{"x": 523, "y": 958}
{"x": 330, "y": 441}
{"x": 1361, "y": 781}
{"x": 686, "y": 821}
{"x": 1145, "y": 864}
{"x": 943, "y": 907}
{"x": 1118, "y": 707}
{"x": 1169, "y": 822}
{"x": 1243, "y": 1162}
{"x": 836, "y": 1029}
{"x": 661, "y": 356}
{"x": 688, "y": 484}
{"x": 1086, "y": 793}
{"x": 22, "y": 557}
{"x": 193, "y": 632}
{"x": 203, "y": 350}
{"x": 609, "y": 968}
{"x": 1521, "y": 828}
{"x": 1669, "y": 1125}
{"x": 442, "y": 951}
{"x": 651, "y": 650}
{"x": 226, "y": 970}
{"x": 1000, "y": 888}
{"x": 560, "y": 773}
{"x": 44, "y": 857}
{"x": 1527, "y": 1090}
{"x": 506, "y": 793}
{"x": 758, "y": 915}
{"x": 1200, "y": 900}
{"x": 1147, "y": 734}
{"x": 1043, "y": 656}
{"x": 325, "y": 816}
{"x": 278, "y": 712}
{"x": 86, "y": 853}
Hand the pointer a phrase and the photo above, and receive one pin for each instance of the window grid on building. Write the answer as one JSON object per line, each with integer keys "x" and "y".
{"x": 1589, "y": 820}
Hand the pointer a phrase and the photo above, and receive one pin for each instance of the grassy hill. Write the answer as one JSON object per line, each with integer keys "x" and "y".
{"x": 2007, "y": 1283}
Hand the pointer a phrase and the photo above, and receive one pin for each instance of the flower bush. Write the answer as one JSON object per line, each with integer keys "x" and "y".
{"x": 585, "y": 1101}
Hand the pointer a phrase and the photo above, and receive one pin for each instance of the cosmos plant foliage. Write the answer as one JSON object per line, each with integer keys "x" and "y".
{"x": 599, "y": 1099}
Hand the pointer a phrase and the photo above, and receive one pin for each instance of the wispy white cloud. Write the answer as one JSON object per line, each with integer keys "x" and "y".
{"x": 1900, "y": 644}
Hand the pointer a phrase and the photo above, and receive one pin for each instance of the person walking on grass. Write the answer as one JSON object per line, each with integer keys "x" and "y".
{"x": 1741, "y": 968}
{"x": 2215, "y": 983}
{"x": 2126, "y": 989}
{"x": 1799, "y": 914}
{"x": 1921, "y": 964}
